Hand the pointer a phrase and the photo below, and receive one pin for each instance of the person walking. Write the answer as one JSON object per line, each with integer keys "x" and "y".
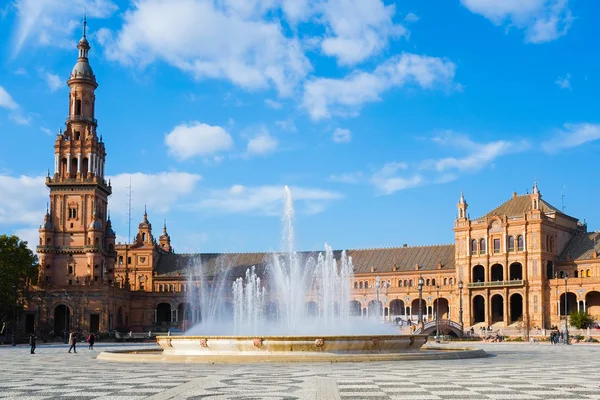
{"x": 32, "y": 342}
{"x": 91, "y": 340}
{"x": 73, "y": 342}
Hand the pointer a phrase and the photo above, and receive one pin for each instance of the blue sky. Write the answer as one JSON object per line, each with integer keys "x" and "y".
{"x": 376, "y": 113}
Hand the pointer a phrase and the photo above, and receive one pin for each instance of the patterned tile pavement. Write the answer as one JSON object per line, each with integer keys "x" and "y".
{"x": 514, "y": 371}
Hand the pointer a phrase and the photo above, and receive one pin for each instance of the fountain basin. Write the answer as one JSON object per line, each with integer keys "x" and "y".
{"x": 289, "y": 346}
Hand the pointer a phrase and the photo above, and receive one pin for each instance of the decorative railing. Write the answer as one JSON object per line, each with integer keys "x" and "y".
{"x": 81, "y": 118}
{"x": 443, "y": 323}
{"x": 516, "y": 282}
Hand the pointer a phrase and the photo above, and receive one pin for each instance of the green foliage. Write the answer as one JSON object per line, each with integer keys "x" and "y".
{"x": 18, "y": 266}
{"x": 580, "y": 319}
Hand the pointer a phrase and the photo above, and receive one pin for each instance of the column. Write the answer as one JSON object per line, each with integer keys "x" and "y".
{"x": 558, "y": 306}
{"x": 584, "y": 306}
{"x": 68, "y": 163}
{"x": 56, "y": 163}
{"x": 79, "y": 163}
{"x": 102, "y": 168}
{"x": 155, "y": 315}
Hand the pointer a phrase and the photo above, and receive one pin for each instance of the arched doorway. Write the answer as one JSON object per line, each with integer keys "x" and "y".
{"x": 516, "y": 307}
{"x": 62, "y": 319}
{"x": 478, "y": 309}
{"x": 312, "y": 309}
{"x": 414, "y": 308}
{"x": 497, "y": 303}
{"x": 444, "y": 308}
{"x": 497, "y": 272}
{"x": 397, "y": 308}
{"x": 163, "y": 313}
{"x": 375, "y": 308}
{"x": 355, "y": 308}
{"x": 571, "y": 303}
{"x": 592, "y": 302}
{"x": 478, "y": 273}
{"x": 516, "y": 271}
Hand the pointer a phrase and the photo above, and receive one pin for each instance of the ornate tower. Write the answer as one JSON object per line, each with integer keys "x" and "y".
{"x": 462, "y": 207}
{"x": 164, "y": 240}
{"x": 76, "y": 241}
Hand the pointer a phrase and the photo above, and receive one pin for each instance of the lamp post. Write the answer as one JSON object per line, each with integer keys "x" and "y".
{"x": 437, "y": 315}
{"x": 421, "y": 283}
{"x": 566, "y": 312}
{"x": 377, "y": 286}
{"x": 460, "y": 310}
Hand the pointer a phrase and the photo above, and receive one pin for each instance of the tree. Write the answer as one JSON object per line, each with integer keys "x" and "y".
{"x": 580, "y": 319}
{"x": 18, "y": 266}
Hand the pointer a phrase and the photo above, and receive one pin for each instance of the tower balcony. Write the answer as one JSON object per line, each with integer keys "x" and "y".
{"x": 91, "y": 179}
{"x": 81, "y": 118}
{"x": 496, "y": 284}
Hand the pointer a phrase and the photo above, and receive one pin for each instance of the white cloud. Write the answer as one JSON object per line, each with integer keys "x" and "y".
{"x": 197, "y": 139}
{"x": 225, "y": 40}
{"x": 20, "y": 119}
{"x": 52, "y": 22}
{"x": 387, "y": 180}
{"x": 564, "y": 82}
{"x": 6, "y": 100}
{"x": 410, "y": 18}
{"x": 261, "y": 144}
{"x": 54, "y": 82}
{"x": 275, "y": 105}
{"x": 287, "y": 125}
{"x": 478, "y": 155}
{"x": 324, "y": 97}
{"x": 572, "y": 135}
{"x": 22, "y": 200}
{"x": 46, "y": 131}
{"x": 20, "y": 71}
{"x": 29, "y": 235}
{"x": 359, "y": 29}
{"x": 350, "y": 177}
{"x": 265, "y": 200}
{"x": 159, "y": 192}
{"x": 542, "y": 20}
{"x": 342, "y": 135}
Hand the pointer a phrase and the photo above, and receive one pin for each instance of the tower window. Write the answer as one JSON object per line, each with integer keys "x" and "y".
{"x": 70, "y": 269}
{"x": 77, "y": 135}
{"x": 496, "y": 245}
{"x": 72, "y": 213}
{"x": 143, "y": 237}
{"x": 78, "y": 107}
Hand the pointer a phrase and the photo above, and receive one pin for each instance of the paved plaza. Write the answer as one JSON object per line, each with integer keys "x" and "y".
{"x": 513, "y": 371}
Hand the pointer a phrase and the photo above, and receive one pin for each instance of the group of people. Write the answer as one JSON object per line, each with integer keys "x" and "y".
{"x": 557, "y": 337}
{"x": 91, "y": 339}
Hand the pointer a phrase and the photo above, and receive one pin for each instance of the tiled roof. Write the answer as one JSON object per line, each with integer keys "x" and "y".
{"x": 519, "y": 205}
{"x": 582, "y": 247}
{"x": 383, "y": 260}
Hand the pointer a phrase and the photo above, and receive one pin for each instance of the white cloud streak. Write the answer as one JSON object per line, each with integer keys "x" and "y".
{"x": 572, "y": 135}
{"x": 262, "y": 144}
{"x": 324, "y": 97}
{"x": 564, "y": 82}
{"x": 342, "y": 135}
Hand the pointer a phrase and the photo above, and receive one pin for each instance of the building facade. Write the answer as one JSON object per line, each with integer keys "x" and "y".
{"x": 525, "y": 263}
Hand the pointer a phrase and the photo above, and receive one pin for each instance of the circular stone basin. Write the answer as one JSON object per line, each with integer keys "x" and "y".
{"x": 289, "y": 346}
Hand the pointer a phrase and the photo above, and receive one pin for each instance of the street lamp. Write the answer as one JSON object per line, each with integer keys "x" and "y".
{"x": 566, "y": 312}
{"x": 460, "y": 310}
{"x": 437, "y": 315}
{"x": 421, "y": 283}
{"x": 377, "y": 286}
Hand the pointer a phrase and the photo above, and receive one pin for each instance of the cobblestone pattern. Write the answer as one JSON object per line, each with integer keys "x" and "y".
{"x": 514, "y": 371}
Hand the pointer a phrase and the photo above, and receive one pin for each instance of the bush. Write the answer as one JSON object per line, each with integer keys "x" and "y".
{"x": 580, "y": 319}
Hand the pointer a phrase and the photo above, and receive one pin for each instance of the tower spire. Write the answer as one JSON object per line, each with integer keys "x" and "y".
{"x": 84, "y": 22}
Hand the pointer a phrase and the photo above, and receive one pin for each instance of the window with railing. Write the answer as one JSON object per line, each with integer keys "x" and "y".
{"x": 473, "y": 247}
{"x": 511, "y": 243}
{"x": 520, "y": 243}
{"x": 482, "y": 246}
{"x": 496, "y": 246}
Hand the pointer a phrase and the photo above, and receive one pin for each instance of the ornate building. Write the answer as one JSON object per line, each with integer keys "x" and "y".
{"x": 511, "y": 267}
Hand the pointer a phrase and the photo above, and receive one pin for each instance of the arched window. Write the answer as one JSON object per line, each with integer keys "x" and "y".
{"x": 582, "y": 274}
{"x": 433, "y": 282}
{"x": 361, "y": 285}
{"x": 576, "y": 273}
{"x": 428, "y": 282}
{"x": 588, "y": 273}
{"x": 405, "y": 283}
{"x": 452, "y": 281}
{"x": 482, "y": 248}
{"x": 410, "y": 283}
{"x": 473, "y": 247}
{"x": 511, "y": 243}
{"x": 355, "y": 285}
{"x": 561, "y": 274}
{"x": 120, "y": 260}
{"x": 520, "y": 244}
{"x": 445, "y": 281}
{"x": 70, "y": 269}
{"x": 77, "y": 107}
{"x": 400, "y": 283}
{"x": 143, "y": 237}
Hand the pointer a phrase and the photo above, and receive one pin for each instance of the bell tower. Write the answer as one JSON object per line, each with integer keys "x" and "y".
{"x": 76, "y": 241}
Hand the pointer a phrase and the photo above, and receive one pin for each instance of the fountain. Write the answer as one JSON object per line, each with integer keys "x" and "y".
{"x": 297, "y": 309}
